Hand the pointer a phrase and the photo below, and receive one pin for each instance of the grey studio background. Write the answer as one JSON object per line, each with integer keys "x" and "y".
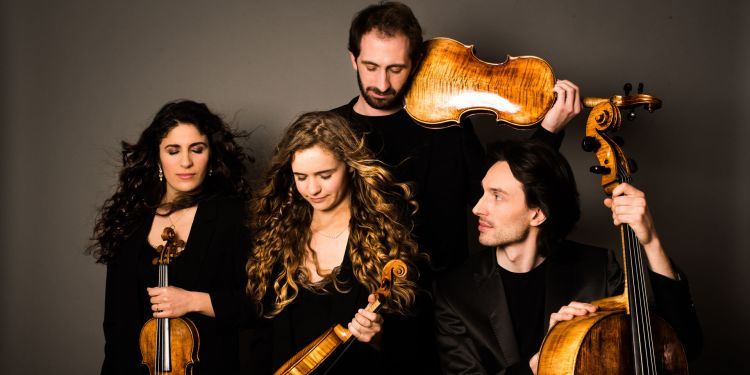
{"x": 79, "y": 76}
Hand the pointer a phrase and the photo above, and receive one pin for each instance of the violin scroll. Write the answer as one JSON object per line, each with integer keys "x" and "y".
{"x": 170, "y": 249}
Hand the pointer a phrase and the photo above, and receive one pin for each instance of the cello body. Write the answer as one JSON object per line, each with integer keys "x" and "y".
{"x": 585, "y": 346}
{"x": 452, "y": 82}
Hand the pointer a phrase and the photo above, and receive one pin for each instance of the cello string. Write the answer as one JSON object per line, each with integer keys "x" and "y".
{"x": 647, "y": 313}
{"x": 639, "y": 302}
{"x": 643, "y": 323}
{"x": 635, "y": 303}
{"x": 645, "y": 320}
{"x": 648, "y": 337}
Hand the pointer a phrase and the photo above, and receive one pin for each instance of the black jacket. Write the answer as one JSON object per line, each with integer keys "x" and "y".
{"x": 212, "y": 261}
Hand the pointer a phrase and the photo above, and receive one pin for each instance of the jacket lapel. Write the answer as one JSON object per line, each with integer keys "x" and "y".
{"x": 490, "y": 286}
{"x": 198, "y": 246}
{"x": 560, "y": 282}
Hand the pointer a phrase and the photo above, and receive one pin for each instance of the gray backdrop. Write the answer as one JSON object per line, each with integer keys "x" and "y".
{"x": 79, "y": 76}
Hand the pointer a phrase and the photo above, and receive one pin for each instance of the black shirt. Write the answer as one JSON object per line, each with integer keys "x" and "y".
{"x": 525, "y": 295}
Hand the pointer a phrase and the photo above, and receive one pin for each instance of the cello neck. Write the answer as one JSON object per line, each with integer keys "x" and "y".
{"x": 637, "y": 303}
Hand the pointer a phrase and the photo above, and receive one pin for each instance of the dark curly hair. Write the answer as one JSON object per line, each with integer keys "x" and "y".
{"x": 139, "y": 192}
{"x": 548, "y": 183}
{"x": 389, "y": 18}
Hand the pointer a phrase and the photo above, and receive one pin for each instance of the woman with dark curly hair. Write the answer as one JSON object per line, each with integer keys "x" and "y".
{"x": 327, "y": 218}
{"x": 185, "y": 172}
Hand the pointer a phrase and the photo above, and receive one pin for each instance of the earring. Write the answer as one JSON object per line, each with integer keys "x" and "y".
{"x": 210, "y": 172}
{"x": 161, "y": 174}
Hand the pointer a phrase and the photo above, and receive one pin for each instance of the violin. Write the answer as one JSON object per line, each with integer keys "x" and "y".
{"x": 621, "y": 337}
{"x": 337, "y": 338}
{"x": 169, "y": 345}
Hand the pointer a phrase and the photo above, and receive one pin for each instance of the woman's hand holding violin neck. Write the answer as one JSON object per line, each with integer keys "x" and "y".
{"x": 174, "y": 302}
{"x": 367, "y": 326}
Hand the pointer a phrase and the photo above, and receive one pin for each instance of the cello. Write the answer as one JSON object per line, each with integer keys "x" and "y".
{"x": 337, "y": 338}
{"x": 169, "y": 345}
{"x": 621, "y": 337}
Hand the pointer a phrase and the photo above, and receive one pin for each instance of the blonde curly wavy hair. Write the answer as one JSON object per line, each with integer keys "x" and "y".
{"x": 380, "y": 225}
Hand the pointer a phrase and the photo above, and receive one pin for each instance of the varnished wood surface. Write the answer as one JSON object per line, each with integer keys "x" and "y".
{"x": 451, "y": 81}
{"x": 600, "y": 343}
{"x": 335, "y": 339}
{"x": 184, "y": 345}
{"x": 316, "y": 352}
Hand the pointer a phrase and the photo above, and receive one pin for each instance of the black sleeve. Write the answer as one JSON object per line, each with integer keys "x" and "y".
{"x": 458, "y": 354}
{"x": 233, "y": 309}
{"x": 121, "y": 321}
{"x": 475, "y": 162}
{"x": 674, "y": 303}
{"x": 553, "y": 140}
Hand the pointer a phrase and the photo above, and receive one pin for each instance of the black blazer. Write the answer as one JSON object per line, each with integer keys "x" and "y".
{"x": 474, "y": 329}
{"x": 213, "y": 261}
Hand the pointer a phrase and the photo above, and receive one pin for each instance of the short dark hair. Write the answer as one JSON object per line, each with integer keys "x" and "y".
{"x": 390, "y": 18}
{"x": 548, "y": 184}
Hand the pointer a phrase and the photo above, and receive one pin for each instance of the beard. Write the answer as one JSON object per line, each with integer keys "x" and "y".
{"x": 508, "y": 235}
{"x": 394, "y": 99}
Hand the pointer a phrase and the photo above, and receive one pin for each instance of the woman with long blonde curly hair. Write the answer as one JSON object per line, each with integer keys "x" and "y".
{"x": 327, "y": 218}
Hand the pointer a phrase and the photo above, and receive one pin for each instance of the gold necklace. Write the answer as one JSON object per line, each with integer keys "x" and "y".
{"x": 333, "y": 236}
{"x": 174, "y": 223}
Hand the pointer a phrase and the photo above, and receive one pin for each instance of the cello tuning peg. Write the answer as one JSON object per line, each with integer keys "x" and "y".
{"x": 618, "y": 140}
{"x": 627, "y": 88}
{"x": 599, "y": 169}
{"x": 631, "y": 115}
{"x": 633, "y": 165}
{"x": 640, "y": 87}
{"x": 590, "y": 144}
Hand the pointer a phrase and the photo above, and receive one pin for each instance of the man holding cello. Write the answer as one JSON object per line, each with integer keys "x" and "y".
{"x": 492, "y": 312}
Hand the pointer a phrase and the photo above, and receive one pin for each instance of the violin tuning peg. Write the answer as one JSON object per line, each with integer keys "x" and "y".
{"x": 632, "y": 115}
{"x": 627, "y": 88}
{"x": 633, "y": 165}
{"x": 590, "y": 144}
{"x": 640, "y": 87}
{"x": 618, "y": 140}
{"x": 599, "y": 169}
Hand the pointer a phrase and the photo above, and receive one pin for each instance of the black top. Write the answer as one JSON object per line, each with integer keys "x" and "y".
{"x": 213, "y": 262}
{"x": 446, "y": 167}
{"x": 309, "y": 316}
{"x": 525, "y": 295}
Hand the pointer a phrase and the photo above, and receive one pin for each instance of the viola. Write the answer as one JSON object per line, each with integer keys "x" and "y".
{"x": 337, "y": 338}
{"x": 452, "y": 82}
{"x": 169, "y": 345}
{"x": 621, "y": 337}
